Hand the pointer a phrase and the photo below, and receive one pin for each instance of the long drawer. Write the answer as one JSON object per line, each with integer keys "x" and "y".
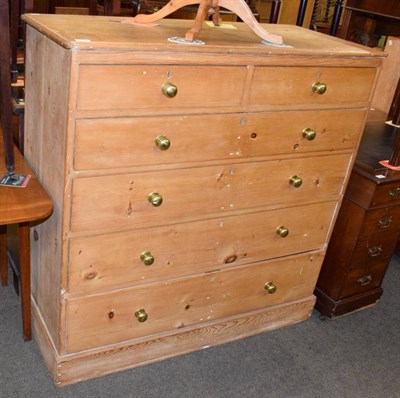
{"x": 121, "y": 142}
{"x": 122, "y": 315}
{"x": 138, "y": 87}
{"x": 112, "y": 203}
{"x": 156, "y": 254}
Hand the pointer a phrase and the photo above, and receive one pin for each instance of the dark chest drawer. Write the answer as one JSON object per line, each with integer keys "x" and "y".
{"x": 362, "y": 280}
{"x": 368, "y": 192}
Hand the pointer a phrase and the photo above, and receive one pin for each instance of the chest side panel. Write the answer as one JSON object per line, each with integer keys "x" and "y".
{"x": 46, "y": 119}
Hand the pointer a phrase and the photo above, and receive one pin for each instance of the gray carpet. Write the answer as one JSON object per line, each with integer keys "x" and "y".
{"x": 354, "y": 356}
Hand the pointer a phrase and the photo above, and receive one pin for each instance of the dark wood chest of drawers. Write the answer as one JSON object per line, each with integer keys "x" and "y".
{"x": 366, "y": 232}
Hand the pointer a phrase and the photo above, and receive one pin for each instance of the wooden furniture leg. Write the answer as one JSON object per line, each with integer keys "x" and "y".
{"x": 14, "y": 23}
{"x": 239, "y": 7}
{"x": 302, "y": 12}
{"x": 395, "y": 116}
{"x": 168, "y": 9}
{"x": 275, "y": 8}
{"x": 20, "y": 207}
{"x": 92, "y": 7}
{"x": 25, "y": 278}
{"x": 5, "y": 85}
{"x": 115, "y": 7}
{"x": 336, "y": 17}
{"x": 28, "y": 6}
{"x": 201, "y": 15}
{"x": 3, "y": 255}
{"x": 216, "y": 17}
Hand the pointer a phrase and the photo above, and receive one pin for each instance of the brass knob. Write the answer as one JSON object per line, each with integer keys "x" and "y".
{"x": 163, "y": 142}
{"x": 141, "y": 315}
{"x": 155, "y": 199}
{"x": 295, "y": 181}
{"x": 270, "y": 287}
{"x": 169, "y": 90}
{"x": 282, "y": 231}
{"x": 309, "y": 134}
{"x": 147, "y": 258}
{"x": 319, "y": 88}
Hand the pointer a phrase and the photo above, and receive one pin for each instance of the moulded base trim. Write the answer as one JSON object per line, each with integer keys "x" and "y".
{"x": 72, "y": 368}
{"x": 333, "y": 309}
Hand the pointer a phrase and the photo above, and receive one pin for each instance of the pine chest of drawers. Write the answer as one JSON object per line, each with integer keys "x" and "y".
{"x": 195, "y": 187}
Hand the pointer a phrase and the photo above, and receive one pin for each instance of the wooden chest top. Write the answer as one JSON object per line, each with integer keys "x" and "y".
{"x": 111, "y": 33}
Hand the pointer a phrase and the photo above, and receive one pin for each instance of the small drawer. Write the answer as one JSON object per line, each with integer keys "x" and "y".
{"x": 296, "y": 85}
{"x": 372, "y": 251}
{"x": 382, "y": 222}
{"x": 364, "y": 279}
{"x": 386, "y": 194}
{"x": 122, "y": 142}
{"x": 157, "y": 254}
{"x": 139, "y": 200}
{"x": 143, "y": 87}
{"x": 122, "y": 315}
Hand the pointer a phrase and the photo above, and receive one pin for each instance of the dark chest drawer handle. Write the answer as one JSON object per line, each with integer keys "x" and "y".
{"x": 395, "y": 193}
{"x": 384, "y": 222}
{"x": 365, "y": 280}
{"x": 375, "y": 251}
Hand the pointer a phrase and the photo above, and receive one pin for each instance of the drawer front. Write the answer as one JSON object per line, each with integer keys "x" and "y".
{"x": 115, "y": 260}
{"x": 293, "y": 85}
{"x": 140, "y": 86}
{"x": 373, "y": 250}
{"x": 121, "y": 142}
{"x": 387, "y": 194}
{"x": 361, "y": 280}
{"x": 110, "y": 318}
{"x": 384, "y": 222}
{"x": 122, "y": 201}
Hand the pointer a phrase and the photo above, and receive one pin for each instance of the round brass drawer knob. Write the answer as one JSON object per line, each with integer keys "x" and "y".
{"x": 309, "y": 134}
{"x": 270, "y": 287}
{"x": 155, "y": 199}
{"x": 141, "y": 315}
{"x": 169, "y": 90}
{"x": 282, "y": 231}
{"x": 147, "y": 258}
{"x": 163, "y": 142}
{"x": 319, "y": 88}
{"x": 295, "y": 181}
